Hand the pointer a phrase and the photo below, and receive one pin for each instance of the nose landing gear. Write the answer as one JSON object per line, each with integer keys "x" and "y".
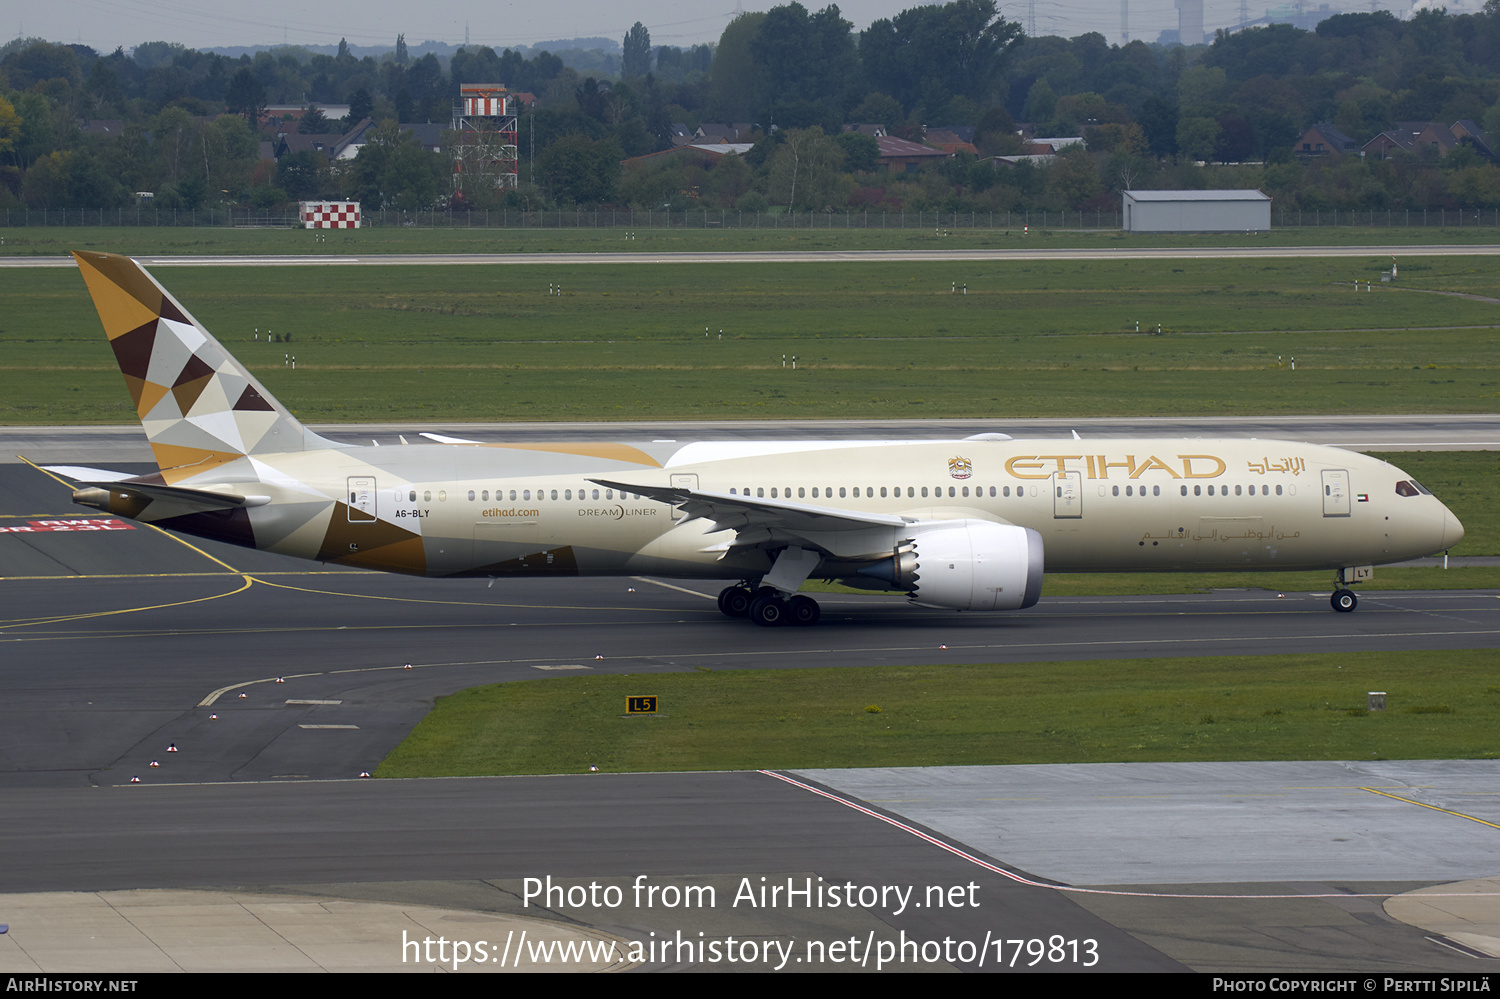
{"x": 1343, "y": 599}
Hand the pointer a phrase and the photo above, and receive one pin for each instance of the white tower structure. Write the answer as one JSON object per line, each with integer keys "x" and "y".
{"x": 1190, "y": 21}
{"x": 484, "y": 151}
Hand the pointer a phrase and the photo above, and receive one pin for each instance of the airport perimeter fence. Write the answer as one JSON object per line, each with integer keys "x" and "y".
{"x": 590, "y": 218}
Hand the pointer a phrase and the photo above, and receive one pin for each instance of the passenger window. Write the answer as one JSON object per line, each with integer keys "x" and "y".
{"x": 413, "y": 496}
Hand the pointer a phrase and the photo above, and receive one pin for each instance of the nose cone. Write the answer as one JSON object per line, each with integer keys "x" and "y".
{"x": 1453, "y": 531}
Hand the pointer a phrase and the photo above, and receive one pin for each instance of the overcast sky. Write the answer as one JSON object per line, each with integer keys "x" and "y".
{"x": 105, "y": 24}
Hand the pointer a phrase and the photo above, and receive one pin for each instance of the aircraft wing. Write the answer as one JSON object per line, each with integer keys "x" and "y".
{"x": 730, "y": 512}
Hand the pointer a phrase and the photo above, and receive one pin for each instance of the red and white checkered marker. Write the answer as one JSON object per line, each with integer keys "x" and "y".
{"x": 329, "y": 214}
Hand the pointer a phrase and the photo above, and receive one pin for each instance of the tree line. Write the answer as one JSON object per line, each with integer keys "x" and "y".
{"x": 188, "y": 125}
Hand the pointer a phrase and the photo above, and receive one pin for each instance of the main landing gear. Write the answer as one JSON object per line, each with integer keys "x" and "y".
{"x": 768, "y": 606}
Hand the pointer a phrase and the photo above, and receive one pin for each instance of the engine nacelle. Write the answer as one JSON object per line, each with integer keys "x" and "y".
{"x": 972, "y": 565}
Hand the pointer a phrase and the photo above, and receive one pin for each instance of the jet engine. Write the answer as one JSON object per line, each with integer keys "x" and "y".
{"x": 966, "y": 565}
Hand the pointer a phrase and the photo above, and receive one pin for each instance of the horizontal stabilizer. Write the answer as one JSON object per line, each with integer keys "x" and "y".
{"x": 130, "y": 498}
{"x": 80, "y": 473}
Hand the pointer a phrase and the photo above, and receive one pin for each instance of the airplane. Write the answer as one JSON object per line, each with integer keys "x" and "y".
{"x": 965, "y": 524}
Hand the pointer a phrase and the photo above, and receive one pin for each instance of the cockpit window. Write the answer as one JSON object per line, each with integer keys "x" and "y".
{"x": 1421, "y": 488}
{"x": 1405, "y": 488}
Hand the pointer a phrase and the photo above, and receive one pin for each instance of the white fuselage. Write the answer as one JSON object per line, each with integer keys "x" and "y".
{"x": 1098, "y": 505}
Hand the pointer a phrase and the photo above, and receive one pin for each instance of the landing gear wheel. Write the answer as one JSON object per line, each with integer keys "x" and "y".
{"x": 803, "y": 610}
{"x": 734, "y": 601}
{"x": 1344, "y": 601}
{"x": 768, "y": 611}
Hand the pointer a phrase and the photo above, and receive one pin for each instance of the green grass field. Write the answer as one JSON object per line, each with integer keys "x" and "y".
{"x": 830, "y": 234}
{"x": 870, "y": 340}
{"x": 1301, "y": 707}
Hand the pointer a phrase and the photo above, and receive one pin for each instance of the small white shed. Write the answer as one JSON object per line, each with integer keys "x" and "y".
{"x": 1196, "y": 211}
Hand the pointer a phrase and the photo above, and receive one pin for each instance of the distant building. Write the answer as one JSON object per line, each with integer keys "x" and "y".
{"x": 716, "y": 132}
{"x": 1190, "y": 21}
{"x": 905, "y": 156}
{"x": 1324, "y": 140}
{"x": 1049, "y": 146}
{"x": 1468, "y": 132}
{"x": 699, "y": 152}
{"x": 950, "y": 141}
{"x": 1196, "y": 211}
{"x": 1411, "y": 137}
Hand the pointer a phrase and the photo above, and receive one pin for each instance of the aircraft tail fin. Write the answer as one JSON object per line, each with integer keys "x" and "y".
{"x": 199, "y": 406}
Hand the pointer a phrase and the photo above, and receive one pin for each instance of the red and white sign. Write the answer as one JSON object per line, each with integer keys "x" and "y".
{"x": 487, "y": 107}
{"x": 329, "y": 214}
{"x": 72, "y": 524}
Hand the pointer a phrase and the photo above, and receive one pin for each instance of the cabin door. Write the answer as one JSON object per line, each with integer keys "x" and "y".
{"x": 1335, "y": 492}
{"x": 683, "y": 481}
{"x": 1067, "y": 494}
{"x": 361, "y": 499}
